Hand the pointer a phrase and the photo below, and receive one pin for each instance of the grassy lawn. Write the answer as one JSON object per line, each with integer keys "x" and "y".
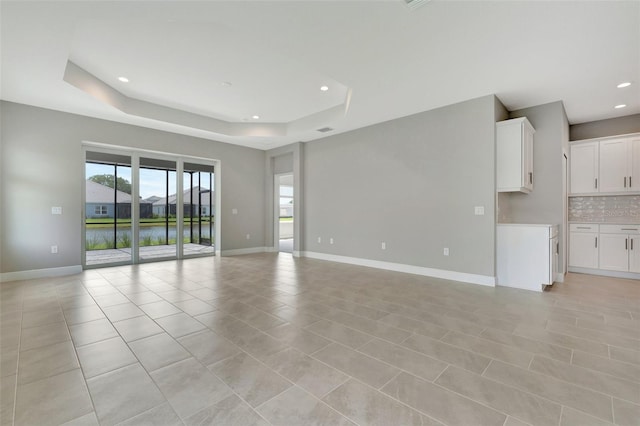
{"x": 286, "y": 219}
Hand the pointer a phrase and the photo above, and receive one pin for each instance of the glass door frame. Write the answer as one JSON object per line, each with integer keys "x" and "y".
{"x": 135, "y": 155}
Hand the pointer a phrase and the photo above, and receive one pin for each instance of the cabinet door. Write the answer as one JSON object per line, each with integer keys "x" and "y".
{"x": 509, "y": 156}
{"x": 584, "y": 168}
{"x": 583, "y": 250}
{"x": 614, "y": 252}
{"x": 634, "y": 171}
{"x": 554, "y": 253}
{"x": 528, "y": 157}
{"x": 634, "y": 253}
{"x": 614, "y": 157}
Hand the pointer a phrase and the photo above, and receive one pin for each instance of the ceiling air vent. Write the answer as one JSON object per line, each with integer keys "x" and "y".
{"x": 415, "y": 3}
{"x": 325, "y": 129}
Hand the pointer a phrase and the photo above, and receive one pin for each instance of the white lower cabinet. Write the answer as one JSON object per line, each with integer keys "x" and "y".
{"x": 634, "y": 254}
{"x": 526, "y": 255}
{"x": 583, "y": 245}
{"x": 614, "y": 252}
{"x": 606, "y": 247}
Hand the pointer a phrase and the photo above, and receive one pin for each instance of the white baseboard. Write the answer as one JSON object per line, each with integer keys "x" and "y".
{"x": 250, "y": 250}
{"x": 605, "y": 273}
{"x": 559, "y": 277}
{"x": 40, "y": 273}
{"x": 409, "y": 269}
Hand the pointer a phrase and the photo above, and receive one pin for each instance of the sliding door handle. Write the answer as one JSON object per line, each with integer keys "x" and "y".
{"x": 596, "y": 242}
{"x": 626, "y": 244}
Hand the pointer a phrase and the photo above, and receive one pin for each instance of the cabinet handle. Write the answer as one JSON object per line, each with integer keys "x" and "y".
{"x": 596, "y": 183}
{"x": 584, "y": 227}
{"x": 629, "y": 181}
{"x": 626, "y": 244}
{"x": 596, "y": 242}
{"x": 625, "y": 181}
{"x": 629, "y": 229}
{"x": 558, "y": 247}
{"x": 631, "y": 243}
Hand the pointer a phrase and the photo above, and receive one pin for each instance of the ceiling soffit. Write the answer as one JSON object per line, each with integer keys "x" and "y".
{"x": 191, "y": 74}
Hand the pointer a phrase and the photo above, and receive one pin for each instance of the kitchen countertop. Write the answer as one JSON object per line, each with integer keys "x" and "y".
{"x": 526, "y": 224}
{"x": 626, "y": 222}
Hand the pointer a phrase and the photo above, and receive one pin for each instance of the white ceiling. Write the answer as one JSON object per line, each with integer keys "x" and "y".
{"x": 380, "y": 59}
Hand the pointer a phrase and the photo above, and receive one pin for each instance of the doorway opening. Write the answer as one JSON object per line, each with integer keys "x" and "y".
{"x": 284, "y": 235}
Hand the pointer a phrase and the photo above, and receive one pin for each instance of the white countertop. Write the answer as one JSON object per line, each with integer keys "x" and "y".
{"x": 542, "y": 225}
{"x": 587, "y": 222}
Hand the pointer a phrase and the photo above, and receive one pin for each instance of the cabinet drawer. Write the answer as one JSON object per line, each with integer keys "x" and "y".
{"x": 620, "y": 229}
{"x": 583, "y": 227}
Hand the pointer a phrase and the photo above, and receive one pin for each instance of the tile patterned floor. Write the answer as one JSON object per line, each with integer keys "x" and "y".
{"x": 271, "y": 340}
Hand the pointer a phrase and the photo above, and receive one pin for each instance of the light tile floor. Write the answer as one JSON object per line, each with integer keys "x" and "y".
{"x": 268, "y": 339}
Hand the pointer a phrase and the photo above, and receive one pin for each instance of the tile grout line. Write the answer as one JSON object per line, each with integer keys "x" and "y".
{"x": 15, "y": 388}
{"x": 561, "y": 414}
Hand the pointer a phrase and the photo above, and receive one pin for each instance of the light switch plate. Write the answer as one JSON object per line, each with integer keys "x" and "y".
{"x": 479, "y": 210}
{"x": 56, "y": 210}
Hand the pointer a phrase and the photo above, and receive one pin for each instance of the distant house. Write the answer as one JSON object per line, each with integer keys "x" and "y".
{"x": 194, "y": 200}
{"x": 99, "y": 203}
{"x": 286, "y": 210}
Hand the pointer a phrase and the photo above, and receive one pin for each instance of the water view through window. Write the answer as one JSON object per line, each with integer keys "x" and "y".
{"x": 109, "y": 208}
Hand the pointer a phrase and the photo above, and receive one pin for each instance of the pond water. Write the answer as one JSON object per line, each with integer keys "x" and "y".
{"x": 154, "y": 232}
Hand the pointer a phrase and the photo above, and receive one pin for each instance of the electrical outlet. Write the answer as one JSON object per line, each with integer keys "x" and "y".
{"x": 330, "y": 240}
{"x": 383, "y": 245}
{"x": 56, "y": 210}
{"x": 319, "y": 240}
{"x": 54, "y": 249}
{"x": 445, "y": 251}
{"x": 234, "y": 211}
{"x": 248, "y": 236}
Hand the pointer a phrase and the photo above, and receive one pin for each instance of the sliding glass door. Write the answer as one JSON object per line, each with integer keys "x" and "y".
{"x": 157, "y": 230}
{"x": 108, "y": 201}
{"x": 134, "y": 211}
{"x": 199, "y": 209}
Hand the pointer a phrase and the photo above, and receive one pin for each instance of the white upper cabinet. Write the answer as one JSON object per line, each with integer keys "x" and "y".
{"x": 634, "y": 173}
{"x": 616, "y": 165}
{"x": 606, "y": 166}
{"x": 584, "y": 168}
{"x": 514, "y": 145}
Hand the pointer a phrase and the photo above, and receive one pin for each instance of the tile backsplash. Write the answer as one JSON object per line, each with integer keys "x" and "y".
{"x": 615, "y": 209}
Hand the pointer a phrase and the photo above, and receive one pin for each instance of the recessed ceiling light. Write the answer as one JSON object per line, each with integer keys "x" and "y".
{"x": 324, "y": 88}
{"x": 256, "y": 117}
{"x": 123, "y": 79}
{"x": 620, "y": 106}
{"x": 625, "y": 84}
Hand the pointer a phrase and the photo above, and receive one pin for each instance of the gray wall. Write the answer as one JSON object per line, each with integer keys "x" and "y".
{"x": 602, "y": 128}
{"x": 545, "y": 203}
{"x": 503, "y": 208}
{"x": 412, "y": 183}
{"x": 42, "y": 166}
